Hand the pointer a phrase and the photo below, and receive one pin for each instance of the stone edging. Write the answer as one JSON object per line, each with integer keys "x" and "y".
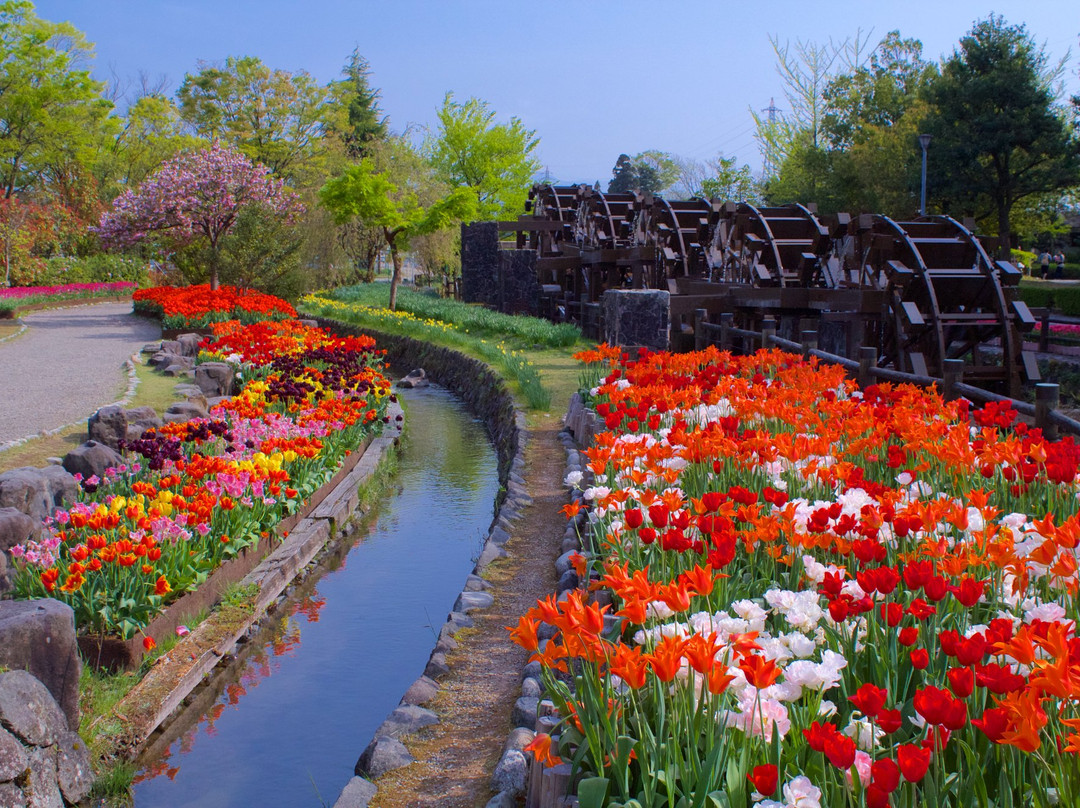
{"x": 22, "y": 330}
{"x": 486, "y": 395}
{"x": 176, "y": 674}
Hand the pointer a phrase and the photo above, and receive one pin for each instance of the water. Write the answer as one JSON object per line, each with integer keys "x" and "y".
{"x": 285, "y": 725}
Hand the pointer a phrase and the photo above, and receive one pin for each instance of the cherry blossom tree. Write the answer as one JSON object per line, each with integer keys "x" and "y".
{"x": 196, "y": 197}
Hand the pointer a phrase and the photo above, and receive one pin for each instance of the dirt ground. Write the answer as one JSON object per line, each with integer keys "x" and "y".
{"x": 455, "y": 758}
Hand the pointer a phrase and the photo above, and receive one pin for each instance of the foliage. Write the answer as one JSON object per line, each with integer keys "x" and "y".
{"x": 1061, "y": 297}
{"x": 353, "y": 113}
{"x": 49, "y": 104}
{"x": 998, "y": 137}
{"x": 512, "y": 363}
{"x": 20, "y": 296}
{"x": 196, "y": 197}
{"x": 651, "y": 171}
{"x": 272, "y": 116}
{"x": 378, "y": 200}
{"x": 495, "y": 161}
{"x": 465, "y": 317}
{"x": 151, "y": 132}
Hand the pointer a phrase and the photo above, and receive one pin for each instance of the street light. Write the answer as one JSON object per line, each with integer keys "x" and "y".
{"x": 924, "y": 142}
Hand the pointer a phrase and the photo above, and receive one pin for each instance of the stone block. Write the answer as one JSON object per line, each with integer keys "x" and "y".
{"x": 480, "y": 263}
{"x": 215, "y": 378}
{"x": 637, "y": 317}
{"x": 29, "y": 712}
{"x": 357, "y": 793}
{"x": 74, "y": 772}
{"x": 381, "y": 756}
{"x": 519, "y": 289}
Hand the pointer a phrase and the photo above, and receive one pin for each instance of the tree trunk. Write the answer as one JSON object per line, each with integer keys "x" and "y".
{"x": 1004, "y": 233}
{"x": 395, "y": 279}
{"x": 213, "y": 269}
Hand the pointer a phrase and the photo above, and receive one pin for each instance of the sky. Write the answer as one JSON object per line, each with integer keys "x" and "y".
{"x": 593, "y": 78}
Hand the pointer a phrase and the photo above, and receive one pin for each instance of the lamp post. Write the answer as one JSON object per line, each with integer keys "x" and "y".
{"x": 924, "y": 142}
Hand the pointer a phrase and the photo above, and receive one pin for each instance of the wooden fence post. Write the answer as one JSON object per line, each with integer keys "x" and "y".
{"x": 867, "y": 360}
{"x": 700, "y": 316}
{"x": 726, "y": 319}
{"x": 809, "y": 343}
{"x": 768, "y": 331}
{"x": 1046, "y": 401}
{"x": 952, "y": 374}
{"x": 1044, "y": 331}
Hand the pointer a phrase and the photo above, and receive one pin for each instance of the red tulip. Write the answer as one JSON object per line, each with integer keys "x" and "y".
{"x": 764, "y": 778}
{"x": 913, "y": 761}
{"x": 869, "y": 699}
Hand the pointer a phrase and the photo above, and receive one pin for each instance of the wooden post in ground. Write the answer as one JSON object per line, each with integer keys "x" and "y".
{"x": 768, "y": 331}
{"x": 952, "y": 375}
{"x": 1047, "y": 397}
{"x": 809, "y": 343}
{"x": 726, "y": 320}
{"x": 700, "y": 317}
{"x": 1044, "y": 331}
{"x": 867, "y": 360}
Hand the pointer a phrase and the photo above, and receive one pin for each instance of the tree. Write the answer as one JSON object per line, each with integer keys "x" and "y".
{"x": 196, "y": 198}
{"x": 493, "y": 160}
{"x": 49, "y": 105}
{"x": 623, "y": 176}
{"x": 721, "y": 178}
{"x": 352, "y": 112}
{"x": 651, "y": 171}
{"x": 272, "y": 116}
{"x": 150, "y": 133}
{"x": 998, "y": 135}
{"x": 394, "y": 207}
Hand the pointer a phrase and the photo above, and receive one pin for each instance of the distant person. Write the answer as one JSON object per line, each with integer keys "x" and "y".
{"x": 1044, "y": 264}
{"x": 1059, "y": 261}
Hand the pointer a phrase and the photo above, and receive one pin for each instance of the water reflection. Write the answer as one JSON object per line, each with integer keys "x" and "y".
{"x": 284, "y": 726}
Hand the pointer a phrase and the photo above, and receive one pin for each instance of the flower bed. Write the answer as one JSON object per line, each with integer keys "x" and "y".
{"x": 196, "y": 307}
{"x": 206, "y": 490}
{"x": 16, "y": 297}
{"x": 819, "y": 596}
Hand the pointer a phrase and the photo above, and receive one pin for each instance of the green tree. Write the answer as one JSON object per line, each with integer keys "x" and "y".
{"x": 150, "y": 133}
{"x": 391, "y": 201}
{"x": 273, "y": 116}
{"x": 352, "y": 112}
{"x": 652, "y": 171}
{"x": 624, "y": 177}
{"x": 998, "y": 135}
{"x": 730, "y": 182}
{"x": 50, "y": 107}
{"x": 493, "y": 160}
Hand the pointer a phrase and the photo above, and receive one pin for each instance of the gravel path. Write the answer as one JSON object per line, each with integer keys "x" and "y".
{"x": 68, "y": 363}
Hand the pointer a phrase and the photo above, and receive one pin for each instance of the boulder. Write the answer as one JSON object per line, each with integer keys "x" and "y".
{"x": 28, "y": 711}
{"x": 421, "y": 691}
{"x": 214, "y": 378}
{"x": 415, "y": 378}
{"x": 510, "y": 773}
{"x": 38, "y": 636}
{"x": 357, "y": 793}
{"x": 16, "y": 527}
{"x": 74, "y": 771}
{"x": 185, "y": 411}
{"x": 468, "y": 601}
{"x": 177, "y": 369}
{"x": 11, "y": 796}
{"x": 140, "y": 419}
{"x": 37, "y": 492}
{"x": 13, "y": 761}
{"x": 43, "y": 791}
{"x": 108, "y": 426}
{"x": 504, "y": 799}
{"x": 383, "y": 755}
{"x": 189, "y": 344}
{"x": 92, "y": 459}
{"x": 524, "y": 712}
{"x": 152, "y": 347}
{"x": 162, "y": 359}
{"x": 171, "y": 346}
{"x": 405, "y": 720}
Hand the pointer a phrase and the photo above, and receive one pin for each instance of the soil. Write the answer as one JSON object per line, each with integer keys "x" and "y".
{"x": 455, "y": 758}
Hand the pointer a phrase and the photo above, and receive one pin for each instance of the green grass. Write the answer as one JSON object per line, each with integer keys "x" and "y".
{"x": 468, "y": 318}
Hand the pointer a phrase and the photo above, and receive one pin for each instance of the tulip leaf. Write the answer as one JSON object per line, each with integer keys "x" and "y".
{"x": 592, "y": 792}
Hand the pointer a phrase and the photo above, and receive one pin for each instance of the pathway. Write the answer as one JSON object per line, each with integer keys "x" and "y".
{"x": 68, "y": 363}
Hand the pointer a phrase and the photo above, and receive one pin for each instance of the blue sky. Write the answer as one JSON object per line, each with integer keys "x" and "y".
{"x": 594, "y": 78}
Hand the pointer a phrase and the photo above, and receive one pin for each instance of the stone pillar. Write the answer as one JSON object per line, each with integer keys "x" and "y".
{"x": 637, "y": 317}
{"x": 480, "y": 263}
{"x": 519, "y": 287}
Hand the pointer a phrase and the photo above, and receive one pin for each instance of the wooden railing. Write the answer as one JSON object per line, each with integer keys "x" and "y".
{"x": 1044, "y": 412}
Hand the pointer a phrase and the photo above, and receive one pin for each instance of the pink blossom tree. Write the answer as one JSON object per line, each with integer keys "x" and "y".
{"x": 196, "y": 196}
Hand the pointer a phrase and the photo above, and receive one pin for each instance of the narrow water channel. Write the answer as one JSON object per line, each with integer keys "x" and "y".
{"x": 285, "y": 724}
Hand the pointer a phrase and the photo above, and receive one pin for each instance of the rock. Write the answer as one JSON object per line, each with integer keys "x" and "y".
{"x": 568, "y": 580}
{"x": 176, "y": 370}
{"x": 563, "y": 563}
{"x": 108, "y": 426}
{"x": 406, "y": 720}
{"x": 510, "y": 773}
{"x": 38, "y": 636}
{"x": 357, "y": 793}
{"x": 189, "y": 344}
{"x": 532, "y": 670}
{"x": 152, "y": 348}
{"x": 383, "y": 755}
{"x": 504, "y": 799}
{"x": 37, "y": 492}
{"x": 415, "y": 378}
{"x": 524, "y": 712}
{"x": 468, "y": 601}
{"x": 185, "y": 411}
{"x": 140, "y": 419}
{"x": 42, "y": 791}
{"x": 11, "y": 796}
{"x": 13, "y": 760}
{"x": 214, "y": 378}
{"x": 28, "y": 710}
{"x": 446, "y": 643}
{"x": 75, "y": 774}
{"x": 519, "y": 738}
{"x": 215, "y": 400}
{"x": 171, "y": 346}
{"x": 530, "y": 688}
{"x": 491, "y": 553}
{"x": 91, "y": 459}
{"x": 636, "y": 317}
{"x": 499, "y": 536}
{"x": 474, "y": 583}
{"x": 16, "y": 527}
{"x": 458, "y": 621}
{"x": 421, "y": 691}
{"x": 436, "y": 667}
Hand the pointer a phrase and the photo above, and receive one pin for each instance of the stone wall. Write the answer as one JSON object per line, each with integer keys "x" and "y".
{"x": 480, "y": 263}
